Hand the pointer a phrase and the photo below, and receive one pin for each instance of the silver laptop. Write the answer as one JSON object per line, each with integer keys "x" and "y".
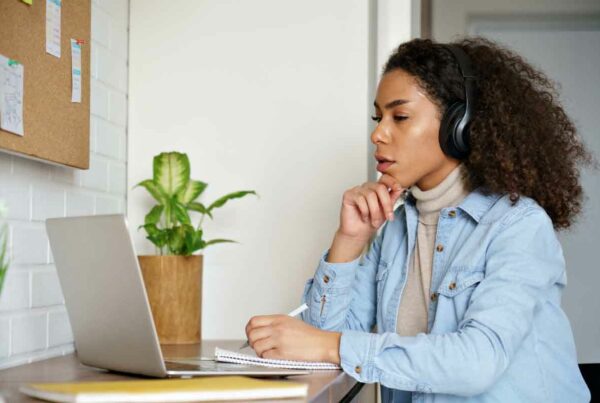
{"x": 108, "y": 307}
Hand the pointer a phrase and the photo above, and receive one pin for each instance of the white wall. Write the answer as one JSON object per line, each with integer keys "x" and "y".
{"x": 33, "y": 320}
{"x": 268, "y": 95}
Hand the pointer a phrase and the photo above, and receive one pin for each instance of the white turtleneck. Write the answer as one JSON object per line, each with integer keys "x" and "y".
{"x": 414, "y": 305}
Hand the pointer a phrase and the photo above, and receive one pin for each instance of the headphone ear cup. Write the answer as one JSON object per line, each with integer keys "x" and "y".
{"x": 449, "y": 128}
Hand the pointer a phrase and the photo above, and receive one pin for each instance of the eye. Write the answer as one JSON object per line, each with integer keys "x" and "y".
{"x": 396, "y": 118}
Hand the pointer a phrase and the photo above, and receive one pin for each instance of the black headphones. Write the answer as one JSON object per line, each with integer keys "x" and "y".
{"x": 454, "y": 127}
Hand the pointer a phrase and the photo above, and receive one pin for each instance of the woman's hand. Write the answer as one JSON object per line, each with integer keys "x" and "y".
{"x": 288, "y": 338}
{"x": 366, "y": 207}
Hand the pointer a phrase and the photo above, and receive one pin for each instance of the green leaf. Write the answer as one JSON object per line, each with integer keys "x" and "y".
{"x": 199, "y": 207}
{"x": 155, "y": 235}
{"x": 199, "y": 243}
{"x": 2, "y": 275}
{"x": 153, "y": 217}
{"x": 3, "y": 253}
{"x": 3, "y": 246}
{"x": 191, "y": 238}
{"x": 191, "y": 191}
{"x": 154, "y": 189}
{"x": 180, "y": 212}
{"x": 214, "y": 241}
{"x": 159, "y": 240}
{"x": 236, "y": 195}
{"x": 176, "y": 240}
{"x": 172, "y": 172}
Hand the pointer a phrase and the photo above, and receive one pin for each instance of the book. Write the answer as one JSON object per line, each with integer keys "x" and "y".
{"x": 167, "y": 390}
{"x": 241, "y": 358}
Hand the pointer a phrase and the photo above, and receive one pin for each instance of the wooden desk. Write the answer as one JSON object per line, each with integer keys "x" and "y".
{"x": 325, "y": 386}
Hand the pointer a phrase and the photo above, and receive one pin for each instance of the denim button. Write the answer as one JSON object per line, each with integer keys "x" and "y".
{"x": 326, "y": 279}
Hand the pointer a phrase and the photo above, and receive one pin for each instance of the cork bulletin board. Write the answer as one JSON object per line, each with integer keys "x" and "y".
{"x": 55, "y": 129}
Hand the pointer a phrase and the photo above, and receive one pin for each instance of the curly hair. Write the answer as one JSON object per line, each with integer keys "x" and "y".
{"x": 522, "y": 141}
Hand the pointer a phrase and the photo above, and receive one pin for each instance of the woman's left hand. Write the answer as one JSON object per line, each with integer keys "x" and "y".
{"x": 288, "y": 338}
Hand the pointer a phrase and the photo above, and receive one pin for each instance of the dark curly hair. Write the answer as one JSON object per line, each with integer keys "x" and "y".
{"x": 522, "y": 141}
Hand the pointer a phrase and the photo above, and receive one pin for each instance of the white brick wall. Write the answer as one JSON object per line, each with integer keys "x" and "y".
{"x": 33, "y": 321}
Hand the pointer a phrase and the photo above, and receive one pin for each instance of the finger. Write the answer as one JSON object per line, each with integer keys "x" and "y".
{"x": 396, "y": 189}
{"x": 395, "y": 195}
{"x": 384, "y": 199}
{"x": 259, "y": 333}
{"x": 390, "y": 182}
{"x": 355, "y": 198}
{"x": 260, "y": 321}
{"x": 361, "y": 203}
{"x": 264, "y": 345}
{"x": 272, "y": 354}
{"x": 374, "y": 208}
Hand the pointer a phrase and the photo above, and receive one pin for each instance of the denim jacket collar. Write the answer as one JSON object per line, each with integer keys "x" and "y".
{"x": 476, "y": 204}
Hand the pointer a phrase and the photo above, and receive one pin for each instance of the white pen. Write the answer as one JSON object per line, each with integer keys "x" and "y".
{"x": 295, "y": 312}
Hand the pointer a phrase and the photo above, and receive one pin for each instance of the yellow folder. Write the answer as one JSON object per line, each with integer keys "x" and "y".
{"x": 167, "y": 390}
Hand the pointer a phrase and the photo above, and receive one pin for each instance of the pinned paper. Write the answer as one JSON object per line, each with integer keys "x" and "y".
{"x": 53, "y": 8}
{"x": 11, "y": 95}
{"x": 76, "y": 70}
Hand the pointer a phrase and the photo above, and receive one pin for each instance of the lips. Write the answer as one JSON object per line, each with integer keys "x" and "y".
{"x": 383, "y": 163}
{"x": 383, "y": 166}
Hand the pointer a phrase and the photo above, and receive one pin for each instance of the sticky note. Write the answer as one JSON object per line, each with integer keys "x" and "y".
{"x": 30, "y": 2}
{"x": 53, "y": 8}
{"x": 11, "y": 95}
{"x": 75, "y": 71}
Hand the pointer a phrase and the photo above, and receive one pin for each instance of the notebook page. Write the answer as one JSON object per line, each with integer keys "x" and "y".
{"x": 240, "y": 358}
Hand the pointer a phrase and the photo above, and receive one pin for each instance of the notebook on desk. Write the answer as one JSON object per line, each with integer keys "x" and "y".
{"x": 251, "y": 359}
{"x": 107, "y": 304}
{"x": 175, "y": 390}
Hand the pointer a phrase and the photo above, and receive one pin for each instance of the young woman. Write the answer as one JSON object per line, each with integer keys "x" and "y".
{"x": 458, "y": 296}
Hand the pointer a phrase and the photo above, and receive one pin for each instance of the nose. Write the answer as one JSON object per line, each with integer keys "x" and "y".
{"x": 380, "y": 134}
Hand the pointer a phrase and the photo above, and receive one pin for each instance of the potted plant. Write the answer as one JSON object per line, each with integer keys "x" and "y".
{"x": 173, "y": 276}
{"x": 3, "y": 246}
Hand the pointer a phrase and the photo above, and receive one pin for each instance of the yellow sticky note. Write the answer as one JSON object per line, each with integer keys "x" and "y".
{"x": 30, "y": 2}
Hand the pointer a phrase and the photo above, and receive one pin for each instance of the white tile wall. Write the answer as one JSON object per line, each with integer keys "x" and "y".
{"x": 34, "y": 324}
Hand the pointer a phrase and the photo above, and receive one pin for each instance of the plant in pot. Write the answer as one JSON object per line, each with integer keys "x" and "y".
{"x": 173, "y": 276}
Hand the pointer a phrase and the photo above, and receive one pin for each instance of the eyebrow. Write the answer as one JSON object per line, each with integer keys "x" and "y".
{"x": 395, "y": 102}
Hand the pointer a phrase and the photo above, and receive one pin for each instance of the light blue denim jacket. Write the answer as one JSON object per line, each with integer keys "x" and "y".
{"x": 496, "y": 331}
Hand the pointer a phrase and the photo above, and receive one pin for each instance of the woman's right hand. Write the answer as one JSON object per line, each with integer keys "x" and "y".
{"x": 366, "y": 207}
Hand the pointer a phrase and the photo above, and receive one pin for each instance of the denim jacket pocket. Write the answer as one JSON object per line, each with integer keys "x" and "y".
{"x": 306, "y": 297}
{"x": 459, "y": 279}
{"x": 456, "y": 288}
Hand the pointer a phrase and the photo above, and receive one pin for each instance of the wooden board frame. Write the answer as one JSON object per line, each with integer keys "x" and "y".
{"x": 56, "y": 129}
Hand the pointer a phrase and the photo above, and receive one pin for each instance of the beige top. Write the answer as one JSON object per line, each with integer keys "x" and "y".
{"x": 414, "y": 305}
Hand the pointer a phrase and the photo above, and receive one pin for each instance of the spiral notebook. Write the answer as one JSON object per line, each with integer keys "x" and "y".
{"x": 240, "y": 358}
